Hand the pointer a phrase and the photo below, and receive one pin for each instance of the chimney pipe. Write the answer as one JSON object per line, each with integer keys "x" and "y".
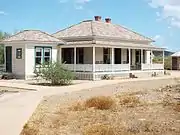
{"x": 108, "y": 20}
{"x": 97, "y": 18}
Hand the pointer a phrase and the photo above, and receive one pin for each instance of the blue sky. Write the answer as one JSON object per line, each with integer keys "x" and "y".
{"x": 158, "y": 19}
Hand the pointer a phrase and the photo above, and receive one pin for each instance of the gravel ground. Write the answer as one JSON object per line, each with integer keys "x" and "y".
{"x": 53, "y": 117}
{"x": 108, "y": 91}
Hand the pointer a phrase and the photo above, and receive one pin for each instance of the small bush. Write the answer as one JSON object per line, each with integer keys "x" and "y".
{"x": 129, "y": 100}
{"x": 168, "y": 63}
{"x": 56, "y": 74}
{"x": 28, "y": 130}
{"x": 101, "y": 102}
{"x": 177, "y": 107}
{"x": 107, "y": 77}
{"x": 78, "y": 106}
{"x": 99, "y": 129}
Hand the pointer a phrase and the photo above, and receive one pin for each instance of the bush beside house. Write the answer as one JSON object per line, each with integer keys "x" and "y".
{"x": 55, "y": 73}
{"x": 167, "y": 62}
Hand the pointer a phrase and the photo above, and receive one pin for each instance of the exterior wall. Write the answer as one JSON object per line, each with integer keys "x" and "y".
{"x": 18, "y": 65}
{"x": 99, "y": 54}
{"x": 30, "y": 57}
{"x": 123, "y": 55}
{"x": 88, "y": 57}
{"x": 133, "y": 57}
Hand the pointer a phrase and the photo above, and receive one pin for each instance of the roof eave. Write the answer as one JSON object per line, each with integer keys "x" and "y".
{"x": 30, "y": 41}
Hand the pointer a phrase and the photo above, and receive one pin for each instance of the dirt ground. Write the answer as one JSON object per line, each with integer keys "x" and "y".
{"x": 154, "y": 110}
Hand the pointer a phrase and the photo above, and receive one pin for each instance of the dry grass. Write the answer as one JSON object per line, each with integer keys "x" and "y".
{"x": 124, "y": 114}
{"x": 176, "y": 107}
{"x": 29, "y": 130}
{"x": 99, "y": 129}
{"x": 128, "y": 100}
{"x": 78, "y": 106}
{"x": 101, "y": 103}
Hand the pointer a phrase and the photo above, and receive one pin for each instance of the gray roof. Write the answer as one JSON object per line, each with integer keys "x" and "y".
{"x": 100, "y": 29}
{"x": 177, "y": 54}
{"x": 33, "y": 35}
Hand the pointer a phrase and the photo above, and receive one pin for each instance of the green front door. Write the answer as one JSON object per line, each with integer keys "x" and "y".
{"x": 8, "y": 59}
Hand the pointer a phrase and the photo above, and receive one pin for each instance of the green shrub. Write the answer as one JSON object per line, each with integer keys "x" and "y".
{"x": 55, "y": 73}
{"x": 167, "y": 63}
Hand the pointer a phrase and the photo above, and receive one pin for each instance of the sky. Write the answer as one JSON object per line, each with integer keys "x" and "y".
{"x": 157, "y": 19}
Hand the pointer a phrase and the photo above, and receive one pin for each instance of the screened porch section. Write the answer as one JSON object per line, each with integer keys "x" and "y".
{"x": 99, "y": 59}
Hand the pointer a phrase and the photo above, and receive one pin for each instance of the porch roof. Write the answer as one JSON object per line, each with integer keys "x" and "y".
{"x": 110, "y": 44}
{"x": 32, "y": 36}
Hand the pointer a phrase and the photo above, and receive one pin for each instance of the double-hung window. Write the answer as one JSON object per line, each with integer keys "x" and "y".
{"x": 42, "y": 55}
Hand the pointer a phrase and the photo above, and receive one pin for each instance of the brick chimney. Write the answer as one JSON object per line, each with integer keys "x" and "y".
{"x": 97, "y": 18}
{"x": 108, "y": 20}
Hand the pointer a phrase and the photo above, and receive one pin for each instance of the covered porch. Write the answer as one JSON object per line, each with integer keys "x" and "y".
{"x": 98, "y": 59}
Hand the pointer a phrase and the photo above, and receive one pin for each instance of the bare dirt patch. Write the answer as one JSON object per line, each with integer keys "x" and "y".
{"x": 134, "y": 108}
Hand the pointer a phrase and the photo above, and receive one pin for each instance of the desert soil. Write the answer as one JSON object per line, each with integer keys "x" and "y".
{"x": 155, "y": 115}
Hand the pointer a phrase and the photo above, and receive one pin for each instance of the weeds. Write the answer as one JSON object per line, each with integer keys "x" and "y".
{"x": 101, "y": 102}
{"x": 99, "y": 129}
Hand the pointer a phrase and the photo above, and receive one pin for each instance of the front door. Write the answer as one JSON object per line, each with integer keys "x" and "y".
{"x": 8, "y": 59}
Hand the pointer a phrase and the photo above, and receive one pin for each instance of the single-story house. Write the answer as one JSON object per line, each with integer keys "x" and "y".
{"x": 91, "y": 49}
{"x": 176, "y": 61}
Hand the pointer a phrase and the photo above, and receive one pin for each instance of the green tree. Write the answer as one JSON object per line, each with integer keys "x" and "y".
{"x": 2, "y": 36}
{"x": 1, "y": 49}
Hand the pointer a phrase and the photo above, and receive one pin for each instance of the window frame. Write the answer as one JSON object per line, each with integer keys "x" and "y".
{"x": 19, "y": 56}
{"x": 42, "y": 55}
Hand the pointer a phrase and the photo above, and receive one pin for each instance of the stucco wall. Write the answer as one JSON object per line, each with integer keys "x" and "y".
{"x": 88, "y": 54}
{"x": 30, "y": 57}
{"x": 123, "y": 55}
{"x": 18, "y": 65}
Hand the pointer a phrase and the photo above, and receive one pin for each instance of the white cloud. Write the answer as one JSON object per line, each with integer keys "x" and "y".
{"x": 79, "y": 4}
{"x": 169, "y": 10}
{"x": 78, "y": 7}
{"x": 3, "y": 13}
{"x": 82, "y": 1}
{"x": 157, "y": 37}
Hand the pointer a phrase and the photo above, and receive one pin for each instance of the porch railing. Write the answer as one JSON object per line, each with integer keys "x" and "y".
{"x": 110, "y": 68}
{"x": 98, "y": 67}
{"x": 152, "y": 66}
{"x": 80, "y": 67}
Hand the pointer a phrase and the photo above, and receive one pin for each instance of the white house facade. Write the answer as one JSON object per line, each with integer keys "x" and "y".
{"x": 91, "y": 49}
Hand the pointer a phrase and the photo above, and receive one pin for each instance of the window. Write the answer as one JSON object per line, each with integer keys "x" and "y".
{"x": 19, "y": 53}
{"x": 106, "y": 55}
{"x": 42, "y": 55}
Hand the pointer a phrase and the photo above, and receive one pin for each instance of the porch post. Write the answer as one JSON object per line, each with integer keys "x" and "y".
{"x": 151, "y": 62}
{"x": 60, "y": 55}
{"x": 151, "y": 56}
{"x": 94, "y": 62}
{"x": 112, "y": 59}
{"x": 4, "y": 58}
{"x": 163, "y": 59}
{"x": 129, "y": 59}
{"x": 74, "y": 59}
{"x": 141, "y": 59}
